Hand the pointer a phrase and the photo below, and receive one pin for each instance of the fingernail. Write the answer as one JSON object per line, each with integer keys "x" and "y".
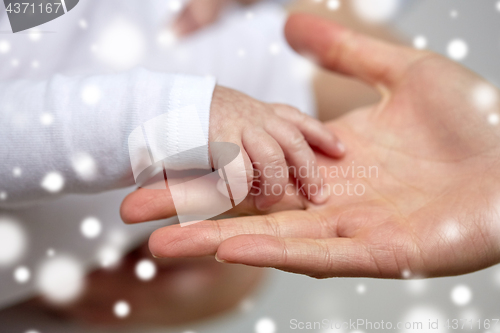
{"x": 219, "y": 260}
{"x": 260, "y": 204}
{"x": 321, "y": 197}
{"x": 155, "y": 256}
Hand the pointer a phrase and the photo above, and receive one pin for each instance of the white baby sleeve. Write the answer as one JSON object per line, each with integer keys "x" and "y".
{"x": 70, "y": 134}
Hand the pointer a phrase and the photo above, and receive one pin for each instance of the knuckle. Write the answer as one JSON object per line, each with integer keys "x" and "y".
{"x": 296, "y": 113}
{"x": 285, "y": 109}
{"x": 275, "y": 159}
{"x": 297, "y": 142}
{"x": 300, "y": 115}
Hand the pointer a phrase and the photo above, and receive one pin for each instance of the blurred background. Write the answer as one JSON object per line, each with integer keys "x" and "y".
{"x": 79, "y": 269}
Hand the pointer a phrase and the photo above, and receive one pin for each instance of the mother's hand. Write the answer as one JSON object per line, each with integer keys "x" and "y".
{"x": 430, "y": 206}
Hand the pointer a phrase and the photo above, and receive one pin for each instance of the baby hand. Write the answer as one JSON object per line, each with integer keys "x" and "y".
{"x": 270, "y": 135}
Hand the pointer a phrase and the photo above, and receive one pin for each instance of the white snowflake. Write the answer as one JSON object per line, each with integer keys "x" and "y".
{"x": 247, "y": 305}
{"x": 109, "y": 256}
{"x": 145, "y": 270}
{"x": 167, "y": 38}
{"x": 84, "y": 166}
{"x": 265, "y": 325}
{"x": 91, "y": 227}
{"x": 493, "y": 119}
{"x": 333, "y": 4}
{"x": 274, "y": 48}
{"x": 13, "y": 241}
{"x": 121, "y": 309}
{"x": 53, "y": 182}
{"x": 60, "y": 279}
{"x": 121, "y": 45}
{"x": 376, "y": 11}
{"x": 361, "y": 289}
{"x": 4, "y": 46}
{"x": 83, "y": 24}
{"x": 91, "y": 95}
{"x": 461, "y": 295}
{"x": 35, "y": 34}
{"x": 17, "y": 172}
{"x": 47, "y": 119}
{"x": 484, "y": 96}
{"x": 22, "y": 274}
{"x": 425, "y": 315}
{"x": 420, "y": 42}
{"x": 457, "y": 49}
{"x": 416, "y": 286}
{"x": 175, "y": 5}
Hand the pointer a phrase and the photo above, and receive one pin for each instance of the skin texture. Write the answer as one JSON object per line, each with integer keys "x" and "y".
{"x": 431, "y": 210}
{"x": 271, "y": 135}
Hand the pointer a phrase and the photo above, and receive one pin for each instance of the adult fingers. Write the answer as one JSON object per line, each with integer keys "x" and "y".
{"x": 205, "y": 237}
{"x": 185, "y": 198}
{"x": 341, "y": 50}
{"x": 188, "y": 198}
{"x": 321, "y": 258}
{"x": 147, "y": 205}
{"x": 314, "y": 131}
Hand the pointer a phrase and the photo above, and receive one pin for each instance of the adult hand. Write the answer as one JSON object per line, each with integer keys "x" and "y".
{"x": 432, "y": 209}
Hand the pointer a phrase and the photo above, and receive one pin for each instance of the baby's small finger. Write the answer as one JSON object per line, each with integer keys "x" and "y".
{"x": 238, "y": 169}
{"x": 269, "y": 161}
{"x": 313, "y": 130}
{"x": 300, "y": 157}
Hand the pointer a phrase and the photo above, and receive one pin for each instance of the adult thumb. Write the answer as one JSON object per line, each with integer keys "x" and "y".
{"x": 344, "y": 51}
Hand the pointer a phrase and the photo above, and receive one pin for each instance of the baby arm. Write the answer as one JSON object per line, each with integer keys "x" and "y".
{"x": 70, "y": 134}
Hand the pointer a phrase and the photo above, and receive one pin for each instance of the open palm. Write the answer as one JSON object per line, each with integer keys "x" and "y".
{"x": 428, "y": 202}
